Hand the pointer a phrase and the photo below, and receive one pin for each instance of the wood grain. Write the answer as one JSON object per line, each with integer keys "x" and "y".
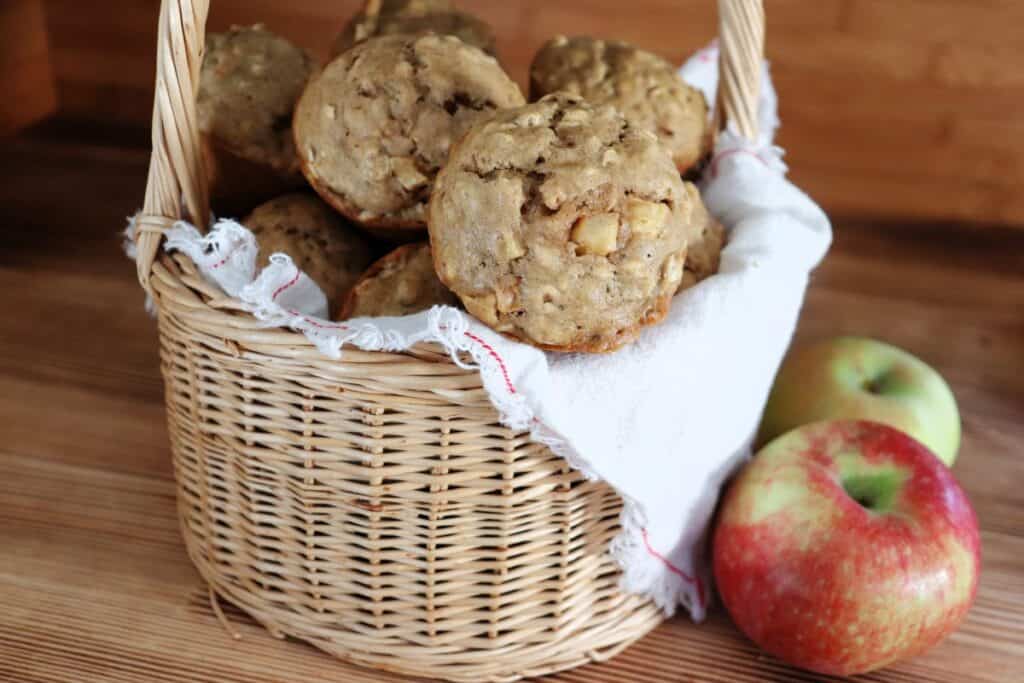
{"x": 94, "y": 580}
{"x": 897, "y": 109}
{"x": 26, "y": 77}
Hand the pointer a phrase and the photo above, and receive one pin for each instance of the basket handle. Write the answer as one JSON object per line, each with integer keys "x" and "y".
{"x": 741, "y": 37}
{"x": 176, "y": 173}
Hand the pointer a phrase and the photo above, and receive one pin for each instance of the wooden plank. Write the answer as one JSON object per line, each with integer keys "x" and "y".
{"x": 937, "y": 21}
{"x": 942, "y": 146}
{"x": 92, "y": 102}
{"x": 993, "y": 65}
{"x": 26, "y": 77}
{"x": 835, "y": 52}
{"x": 111, "y": 67}
{"x": 913, "y": 198}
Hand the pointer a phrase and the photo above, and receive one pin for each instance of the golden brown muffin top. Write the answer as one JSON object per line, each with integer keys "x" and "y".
{"x": 561, "y": 224}
{"x": 374, "y": 127}
{"x": 320, "y": 242}
{"x": 643, "y": 86}
{"x": 248, "y": 86}
{"x": 415, "y": 17}
{"x": 401, "y": 283}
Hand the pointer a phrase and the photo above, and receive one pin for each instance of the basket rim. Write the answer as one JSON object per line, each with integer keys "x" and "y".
{"x": 177, "y": 282}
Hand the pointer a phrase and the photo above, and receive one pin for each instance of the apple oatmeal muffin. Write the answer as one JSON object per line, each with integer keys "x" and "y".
{"x": 562, "y": 225}
{"x": 375, "y": 126}
{"x": 705, "y": 243}
{"x": 330, "y": 251}
{"x": 249, "y": 83}
{"x": 415, "y": 17}
{"x": 643, "y": 86}
{"x": 401, "y": 283}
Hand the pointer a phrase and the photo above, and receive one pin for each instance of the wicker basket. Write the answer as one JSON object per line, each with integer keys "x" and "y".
{"x": 374, "y": 506}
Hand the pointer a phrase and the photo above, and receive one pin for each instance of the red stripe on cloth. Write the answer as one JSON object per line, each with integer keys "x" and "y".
{"x": 315, "y": 323}
{"x": 494, "y": 354}
{"x": 287, "y": 284}
{"x": 676, "y": 570}
{"x": 224, "y": 260}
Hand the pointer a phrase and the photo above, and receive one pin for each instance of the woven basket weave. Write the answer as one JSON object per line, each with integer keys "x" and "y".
{"x": 374, "y": 506}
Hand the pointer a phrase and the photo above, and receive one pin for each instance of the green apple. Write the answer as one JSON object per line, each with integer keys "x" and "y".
{"x": 863, "y": 379}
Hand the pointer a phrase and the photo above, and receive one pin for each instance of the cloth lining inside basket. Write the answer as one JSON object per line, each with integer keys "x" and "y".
{"x": 665, "y": 420}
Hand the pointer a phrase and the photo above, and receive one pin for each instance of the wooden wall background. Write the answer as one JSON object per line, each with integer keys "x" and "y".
{"x": 908, "y": 110}
{"x": 26, "y": 76}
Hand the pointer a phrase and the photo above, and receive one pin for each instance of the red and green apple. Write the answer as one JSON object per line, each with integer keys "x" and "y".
{"x": 863, "y": 379}
{"x": 844, "y": 546}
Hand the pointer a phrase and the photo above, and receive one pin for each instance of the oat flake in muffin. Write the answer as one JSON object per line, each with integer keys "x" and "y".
{"x": 561, "y": 225}
{"x": 375, "y": 126}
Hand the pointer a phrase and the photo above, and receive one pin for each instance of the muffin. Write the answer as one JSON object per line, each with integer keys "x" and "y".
{"x": 643, "y": 86}
{"x": 331, "y": 252}
{"x": 375, "y": 126}
{"x": 706, "y": 239}
{"x": 562, "y": 225}
{"x": 401, "y": 283}
{"x": 415, "y": 17}
{"x": 249, "y": 83}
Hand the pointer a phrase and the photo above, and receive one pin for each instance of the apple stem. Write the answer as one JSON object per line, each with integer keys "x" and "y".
{"x": 873, "y": 386}
{"x": 875, "y": 491}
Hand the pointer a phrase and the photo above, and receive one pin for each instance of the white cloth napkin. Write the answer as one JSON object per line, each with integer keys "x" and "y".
{"x": 665, "y": 420}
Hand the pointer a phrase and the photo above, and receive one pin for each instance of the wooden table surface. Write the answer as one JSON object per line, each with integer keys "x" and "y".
{"x": 95, "y": 585}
